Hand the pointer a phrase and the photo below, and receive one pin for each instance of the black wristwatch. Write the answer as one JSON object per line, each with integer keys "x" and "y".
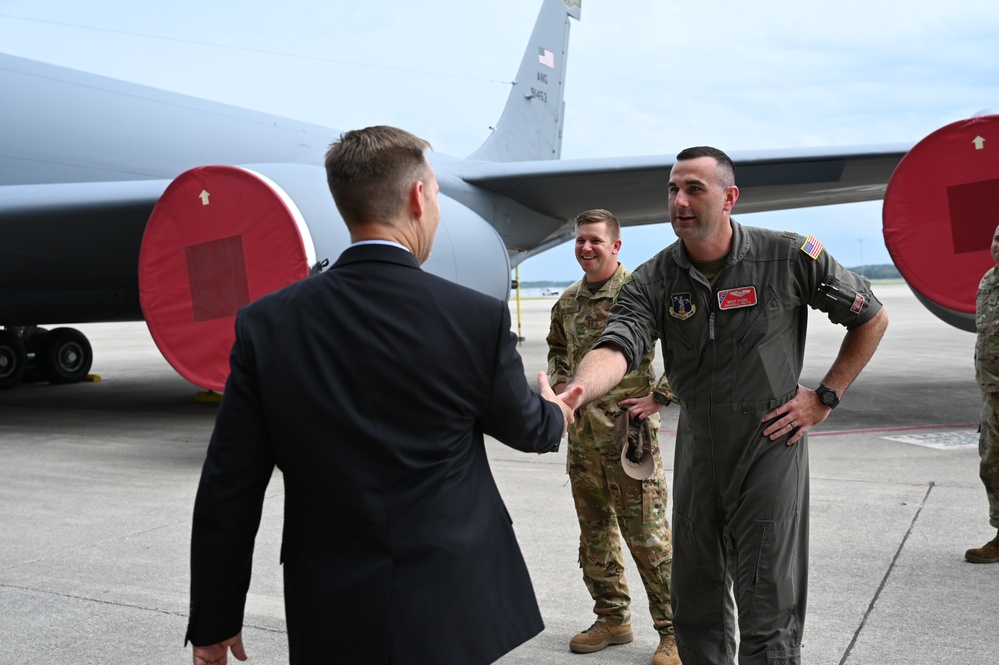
{"x": 660, "y": 399}
{"x": 828, "y": 396}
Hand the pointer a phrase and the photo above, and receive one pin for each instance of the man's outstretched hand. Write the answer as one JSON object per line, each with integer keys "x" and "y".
{"x": 546, "y": 391}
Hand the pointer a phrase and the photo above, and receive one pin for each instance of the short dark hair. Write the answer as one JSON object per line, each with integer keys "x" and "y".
{"x": 370, "y": 171}
{"x": 726, "y": 167}
{"x": 598, "y": 215}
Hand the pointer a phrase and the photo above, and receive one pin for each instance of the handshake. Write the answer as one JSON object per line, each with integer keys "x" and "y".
{"x": 568, "y": 400}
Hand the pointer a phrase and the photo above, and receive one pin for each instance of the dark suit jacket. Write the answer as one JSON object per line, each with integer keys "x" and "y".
{"x": 370, "y": 386}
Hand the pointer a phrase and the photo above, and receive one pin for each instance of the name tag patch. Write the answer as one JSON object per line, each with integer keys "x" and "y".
{"x": 743, "y": 296}
{"x": 681, "y": 306}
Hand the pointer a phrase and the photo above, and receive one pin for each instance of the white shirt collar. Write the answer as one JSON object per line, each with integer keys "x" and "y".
{"x": 390, "y": 243}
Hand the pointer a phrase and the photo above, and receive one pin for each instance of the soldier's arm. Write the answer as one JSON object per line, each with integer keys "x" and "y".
{"x": 806, "y": 409}
{"x": 662, "y": 392}
{"x": 600, "y": 370}
{"x": 855, "y": 352}
{"x": 558, "y": 354}
{"x": 655, "y": 401}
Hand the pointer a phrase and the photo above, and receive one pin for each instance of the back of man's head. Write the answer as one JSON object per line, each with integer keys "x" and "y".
{"x": 726, "y": 167}
{"x": 370, "y": 171}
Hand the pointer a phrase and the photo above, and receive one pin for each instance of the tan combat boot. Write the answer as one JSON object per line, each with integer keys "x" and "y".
{"x": 600, "y": 635}
{"x": 667, "y": 653}
{"x": 987, "y": 553}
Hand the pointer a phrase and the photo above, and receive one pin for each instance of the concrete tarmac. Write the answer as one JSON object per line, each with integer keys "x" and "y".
{"x": 97, "y": 483}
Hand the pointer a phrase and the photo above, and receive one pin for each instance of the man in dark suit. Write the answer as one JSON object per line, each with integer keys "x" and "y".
{"x": 371, "y": 386}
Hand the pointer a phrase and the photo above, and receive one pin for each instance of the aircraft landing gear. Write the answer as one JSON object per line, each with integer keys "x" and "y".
{"x": 13, "y": 359}
{"x": 62, "y": 355}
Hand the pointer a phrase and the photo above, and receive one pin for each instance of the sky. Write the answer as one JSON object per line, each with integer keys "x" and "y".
{"x": 645, "y": 77}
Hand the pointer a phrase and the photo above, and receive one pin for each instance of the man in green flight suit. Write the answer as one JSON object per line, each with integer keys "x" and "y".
{"x": 730, "y": 304}
{"x": 613, "y": 491}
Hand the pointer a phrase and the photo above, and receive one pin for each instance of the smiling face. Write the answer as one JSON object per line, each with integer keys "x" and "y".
{"x": 596, "y": 250}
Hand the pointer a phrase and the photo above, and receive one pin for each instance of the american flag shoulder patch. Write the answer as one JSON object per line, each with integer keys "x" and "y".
{"x": 812, "y": 246}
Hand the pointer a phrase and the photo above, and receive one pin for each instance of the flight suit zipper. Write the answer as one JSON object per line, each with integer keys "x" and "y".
{"x": 711, "y": 304}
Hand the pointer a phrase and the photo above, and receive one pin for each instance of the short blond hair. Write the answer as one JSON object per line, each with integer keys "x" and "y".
{"x": 598, "y": 215}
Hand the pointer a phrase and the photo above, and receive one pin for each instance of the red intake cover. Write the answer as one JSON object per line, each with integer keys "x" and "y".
{"x": 219, "y": 238}
{"x": 941, "y": 210}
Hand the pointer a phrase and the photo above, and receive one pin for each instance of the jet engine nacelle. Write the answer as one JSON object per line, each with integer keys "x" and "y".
{"x": 223, "y": 236}
{"x": 940, "y": 213}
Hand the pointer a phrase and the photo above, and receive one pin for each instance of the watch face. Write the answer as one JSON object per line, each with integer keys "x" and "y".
{"x": 828, "y": 398}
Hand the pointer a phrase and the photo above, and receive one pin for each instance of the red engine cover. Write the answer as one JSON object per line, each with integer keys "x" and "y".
{"x": 941, "y": 210}
{"x": 219, "y": 238}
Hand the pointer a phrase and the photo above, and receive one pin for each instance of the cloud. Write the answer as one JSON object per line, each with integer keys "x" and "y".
{"x": 644, "y": 77}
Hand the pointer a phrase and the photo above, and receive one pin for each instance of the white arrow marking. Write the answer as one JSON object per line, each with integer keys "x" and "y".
{"x": 979, "y": 143}
{"x": 204, "y": 197}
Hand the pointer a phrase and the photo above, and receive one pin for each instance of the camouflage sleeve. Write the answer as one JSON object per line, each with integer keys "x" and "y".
{"x": 558, "y": 355}
{"x": 987, "y": 338}
{"x": 663, "y": 390}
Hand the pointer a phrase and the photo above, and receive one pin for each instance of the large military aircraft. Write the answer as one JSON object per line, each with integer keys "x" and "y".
{"x": 123, "y": 202}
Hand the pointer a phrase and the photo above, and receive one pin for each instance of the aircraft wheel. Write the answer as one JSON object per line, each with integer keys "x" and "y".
{"x": 13, "y": 360}
{"x": 64, "y": 356}
{"x": 31, "y": 344}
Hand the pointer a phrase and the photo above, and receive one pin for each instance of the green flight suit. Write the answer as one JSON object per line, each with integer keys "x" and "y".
{"x": 732, "y": 352}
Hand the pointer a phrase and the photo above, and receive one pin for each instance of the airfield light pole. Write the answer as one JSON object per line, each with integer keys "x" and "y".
{"x": 516, "y": 282}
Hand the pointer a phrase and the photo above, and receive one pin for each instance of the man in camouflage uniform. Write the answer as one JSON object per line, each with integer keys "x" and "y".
{"x": 607, "y": 498}
{"x": 987, "y": 374}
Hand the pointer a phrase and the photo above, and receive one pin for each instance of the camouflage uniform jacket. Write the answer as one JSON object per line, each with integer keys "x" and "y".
{"x": 578, "y": 319}
{"x": 987, "y": 325}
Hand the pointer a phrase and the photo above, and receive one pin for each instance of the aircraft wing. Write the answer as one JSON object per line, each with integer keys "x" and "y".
{"x": 119, "y": 201}
{"x": 635, "y": 187}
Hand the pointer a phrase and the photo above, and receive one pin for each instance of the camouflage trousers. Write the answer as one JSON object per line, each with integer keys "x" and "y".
{"x": 610, "y": 504}
{"x": 988, "y": 450}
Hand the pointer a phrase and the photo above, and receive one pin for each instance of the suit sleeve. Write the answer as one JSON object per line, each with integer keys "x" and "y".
{"x": 514, "y": 414}
{"x": 237, "y": 469}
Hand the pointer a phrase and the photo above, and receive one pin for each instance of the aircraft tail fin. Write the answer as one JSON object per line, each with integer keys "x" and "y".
{"x": 530, "y": 127}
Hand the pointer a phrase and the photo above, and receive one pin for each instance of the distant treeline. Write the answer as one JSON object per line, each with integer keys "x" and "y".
{"x": 884, "y": 271}
{"x": 545, "y": 284}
